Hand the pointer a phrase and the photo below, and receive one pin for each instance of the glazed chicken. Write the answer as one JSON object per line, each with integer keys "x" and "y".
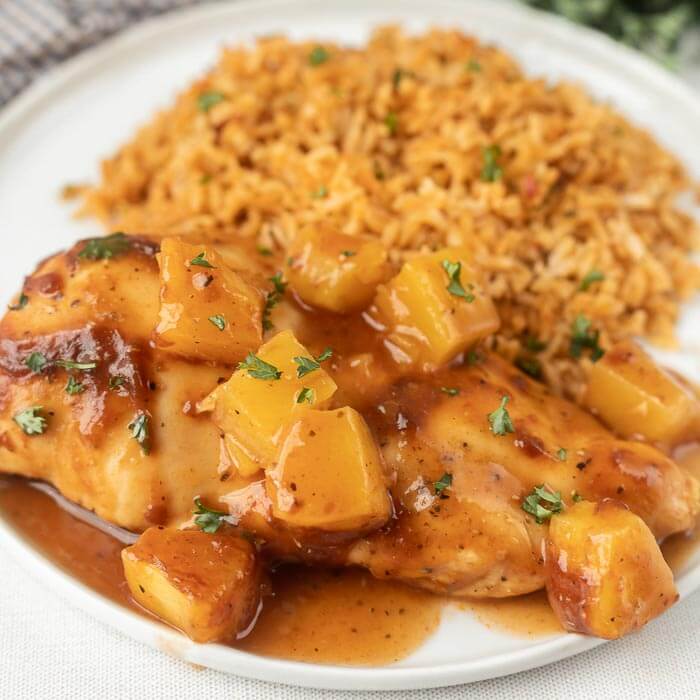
{"x": 337, "y": 412}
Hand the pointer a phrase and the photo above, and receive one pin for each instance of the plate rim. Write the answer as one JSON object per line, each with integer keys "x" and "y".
{"x": 227, "y": 659}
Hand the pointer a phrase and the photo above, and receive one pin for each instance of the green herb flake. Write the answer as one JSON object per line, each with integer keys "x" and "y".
{"x": 318, "y": 56}
{"x": 208, "y": 520}
{"x": 22, "y": 301}
{"x": 348, "y": 253}
{"x": 273, "y": 298}
{"x": 449, "y": 390}
{"x": 36, "y": 362}
{"x": 534, "y": 344}
{"x": 105, "y": 248}
{"x": 30, "y": 420}
{"x": 308, "y": 364}
{"x": 70, "y": 364}
{"x": 444, "y": 482}
{"x": 543, "y": 503}
{"x": 201, "y": 261}
{"x": 208, "y": 99}
{"x": 320, "y": 193}
{"x": 325, "y": 355}
{"x": 218, "y": 320}
{"x": 474, "y": 358}
{"x": 562, "y": 454}
{"x": 264, "y": 251}
{"x": 576, "y": 496}
{"x": 392, "y": 123}
{"x": 306, "y": 394}
{"x": 259, "y": 369}
{"x": 491, "y": 170}
{"x": 140, "y": 429}
{"x": 116, "y": 381}
{"x": 499, "y": 420}
{"x": 396, "y": 78}
{"x": 454, "y": 270}
{"x": 473, "y": 66}
{"x": 530, "y": 365}
{"x": 590, "y": 278}
{"x": 584, "y": 337}
{"x": 74, "y": 387}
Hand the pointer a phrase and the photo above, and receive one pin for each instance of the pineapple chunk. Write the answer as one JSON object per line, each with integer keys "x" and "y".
{"x": 335, "y": 271}
{"x": 329, "y": 475}
{"x": 206, "y": 585}
{"x": 636, "y": 397}
{"x": 605, "y": 573}
{"x": 426, "y": 322}
{"x": 252, "y": 412}
{"x": 207, "y": 311}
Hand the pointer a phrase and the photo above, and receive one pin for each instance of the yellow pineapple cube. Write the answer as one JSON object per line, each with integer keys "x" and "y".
{"x": 329, "y": 475}
{"x": 207, "y": 311}
{"x": 335, "y": 271}
{"x": 605, "y": 573}
{"x": 207, "y": 585}
{"x": 433, "y": 309}
{"x": 254, "y": 406}
{"x": 636, "y": 397}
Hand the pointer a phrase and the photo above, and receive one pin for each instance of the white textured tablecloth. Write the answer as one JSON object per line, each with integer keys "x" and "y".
{"x": 50, "y": 651}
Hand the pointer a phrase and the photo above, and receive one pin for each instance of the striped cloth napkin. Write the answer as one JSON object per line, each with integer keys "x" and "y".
{"x": 36, "y": 34}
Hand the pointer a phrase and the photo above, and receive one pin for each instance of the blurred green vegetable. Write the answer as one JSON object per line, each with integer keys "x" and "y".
{"x": 653, "y": 26}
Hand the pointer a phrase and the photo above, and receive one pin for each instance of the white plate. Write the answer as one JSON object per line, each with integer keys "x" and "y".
{"x": 58, "y": 130}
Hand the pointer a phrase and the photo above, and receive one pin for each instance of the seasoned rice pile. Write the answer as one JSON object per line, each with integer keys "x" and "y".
{"x": 401, "y": 140}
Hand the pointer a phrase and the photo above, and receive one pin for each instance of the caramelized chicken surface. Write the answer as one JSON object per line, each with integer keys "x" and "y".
{"x": 344, "y": 440}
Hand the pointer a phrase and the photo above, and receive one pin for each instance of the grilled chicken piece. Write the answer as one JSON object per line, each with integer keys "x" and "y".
{"x": 457, "y": 487}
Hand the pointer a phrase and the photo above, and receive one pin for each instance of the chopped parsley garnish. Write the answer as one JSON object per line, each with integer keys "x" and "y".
{"x": 474, "y": 358}
{"x": 36, "y": 362}
{"x": 306, "y": 394}
{"x": 273, "y": 298}
{"x": 264, "y": 251}
{"x": 449, "y": 390}
{"x": 444, "y": 482}
{"x": 208, "y": 99}
{"x": 473, "y": 66}
{"x": 259, "y": 369}
{"x": 201, "y": 261}
{"x": 583, "y": 336}
{"x": 396, "y": 78}
{"x": 543, "y": 503}
{"x": 562, "y": 454}
{"x": 308, "y": 364}
{"x": 70, "y": 364}
{"x": 454, "y": 270}
{"x": 530, "y": 365}
{"x": 208, "y": 520}
{"x": 21, "y": 303}
{"x": 499, "y": 419}
{"x": 533, "y": 343}
{"x": 392, "y": 123}
{"x": 30, "y": 420}
{"x": 590, "y": 278}
{"x": 491, "y": 170}
{"x": 105, "y": 248}
{"x": 576, "y": 496}
{"x": 219, "y": 321}
{"x": 74, "y": 387}
{"x": 205, "y": 179}
{"x": 115, "y": 381}
{"x": 318, "y": 56}
{"x": 348, "y": 253}
{"x": 320, "y": 193}
{"x": 325, "y": 355}
{"x": 141, "y": 431}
